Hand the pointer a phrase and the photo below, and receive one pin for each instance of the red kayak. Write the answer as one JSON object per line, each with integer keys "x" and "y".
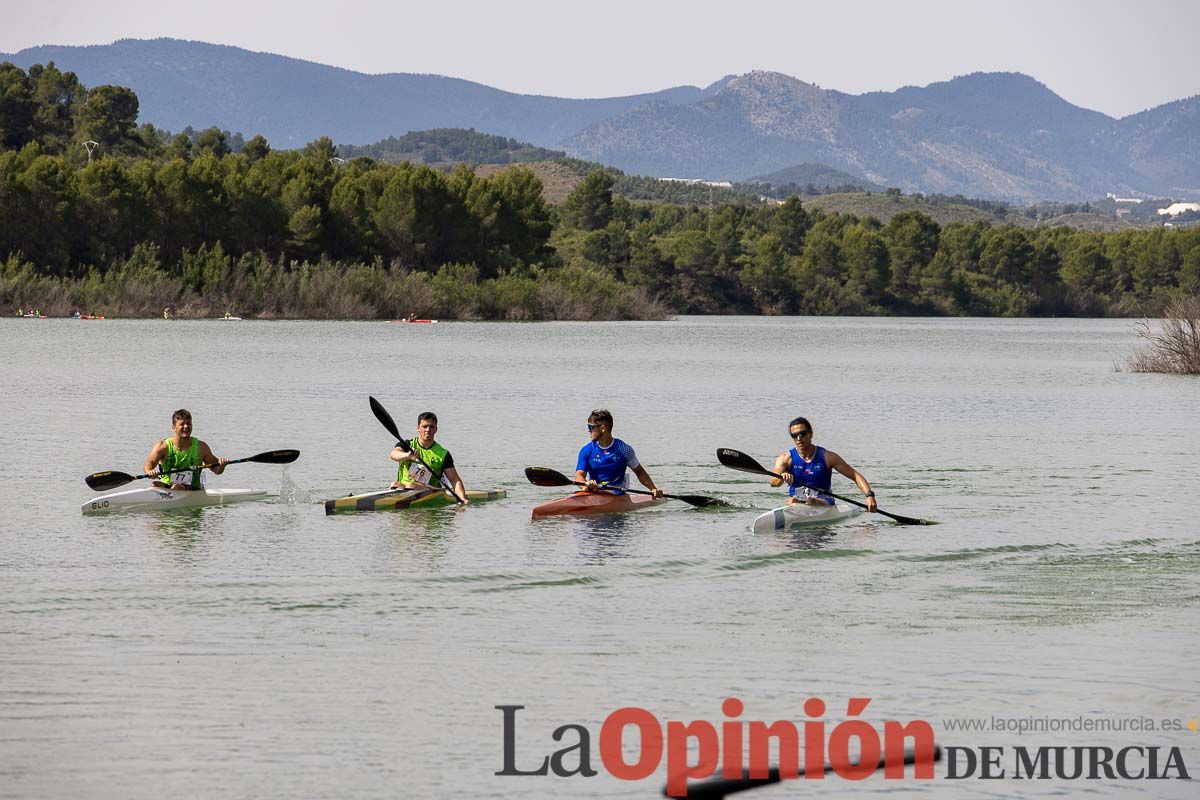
{"x": 595, "y": 503}
{"x": 415, "y": 321}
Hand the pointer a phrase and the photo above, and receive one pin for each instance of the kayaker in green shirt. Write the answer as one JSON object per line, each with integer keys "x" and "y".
{"x": 427, "y": 463}
{"x": 178, "y": 459}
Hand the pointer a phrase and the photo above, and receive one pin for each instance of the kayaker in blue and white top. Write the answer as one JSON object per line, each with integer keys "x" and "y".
{"x": 603, "y": 460}
{"x": 179, "y": 460}
{"x": 807, "y": 469}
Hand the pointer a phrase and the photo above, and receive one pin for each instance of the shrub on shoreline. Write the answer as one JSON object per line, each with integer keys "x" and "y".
{"x": 209, "y": 283}
{"x": 1176, "y": 349}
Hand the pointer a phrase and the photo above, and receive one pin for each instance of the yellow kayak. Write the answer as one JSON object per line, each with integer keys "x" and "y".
{"x": 392, "y": 499}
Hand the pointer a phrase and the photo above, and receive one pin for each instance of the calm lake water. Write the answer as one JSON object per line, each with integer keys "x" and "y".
{"x": 266, "y": 650}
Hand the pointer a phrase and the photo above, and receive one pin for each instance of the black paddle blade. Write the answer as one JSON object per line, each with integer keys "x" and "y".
{"x": 720, "y": 788}
{"x": 736, "y": 459}
{"x": 544, "y": 476}
{"x": 108, "y": 480}
{"x": 385, "y": 419}
{"x": 275, "y": 457}
{"x": 908, "y": 520}
{"x": 698, "y": 500}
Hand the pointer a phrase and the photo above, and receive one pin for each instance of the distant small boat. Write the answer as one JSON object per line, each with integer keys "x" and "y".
{"x": 90, "y": 316}
{"x": 32, "y": 316}
{"x": 230, "y": 318}
{"x": 428, "y": 321}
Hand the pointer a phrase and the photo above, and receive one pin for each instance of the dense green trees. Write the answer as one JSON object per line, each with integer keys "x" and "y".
{"x": 451, "y": 146}
{"x": 16, "y": 107}
{"x": 205, "y": 215}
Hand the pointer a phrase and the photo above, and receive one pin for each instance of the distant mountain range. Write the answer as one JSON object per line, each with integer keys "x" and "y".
{"x": 292, "y": 102}
{"x": 995, "y": 135}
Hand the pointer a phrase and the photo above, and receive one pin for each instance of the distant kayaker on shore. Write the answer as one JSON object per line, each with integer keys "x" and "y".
{"x": 603, "y": 460}
{"x": 178, "y": 458}
{"x": 437, "y": 460}
{"x": 806, "y": 467}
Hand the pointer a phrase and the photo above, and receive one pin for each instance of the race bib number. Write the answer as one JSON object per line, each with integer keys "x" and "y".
{"x": 185, "y": 478}
{"x": 420, "y": 473}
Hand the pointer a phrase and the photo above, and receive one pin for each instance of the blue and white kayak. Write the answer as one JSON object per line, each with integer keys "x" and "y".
{"x": 800, "y": 516}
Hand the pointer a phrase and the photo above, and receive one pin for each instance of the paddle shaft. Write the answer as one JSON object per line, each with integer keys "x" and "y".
{"x": 111, "y": 479}
{"x": 544, "y": 476}
{"x": 385, "y": 419}
{"x": 748, "y": 464}
{"x": 270, "y": 457}
{"x": 615, "y": 489}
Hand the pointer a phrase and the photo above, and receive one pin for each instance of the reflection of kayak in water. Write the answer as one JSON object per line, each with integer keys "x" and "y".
{"x": 391, "y": 499}
{"x": 799, "y": 516}
{"x": 427, "y": 321}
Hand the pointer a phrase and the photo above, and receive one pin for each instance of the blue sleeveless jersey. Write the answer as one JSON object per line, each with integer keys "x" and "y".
{"x": 814, "y": 474}
{"x": 607, "y": 465}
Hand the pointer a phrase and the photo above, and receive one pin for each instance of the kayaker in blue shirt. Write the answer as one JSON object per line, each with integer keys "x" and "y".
{"x": 177, "y": 459}
{"x": 603, "y": 460}
{"x": 807, "y": 468}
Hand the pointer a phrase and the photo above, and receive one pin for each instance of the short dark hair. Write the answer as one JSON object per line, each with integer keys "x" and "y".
{"x": 601, "y": 415}
{"x": 182, "y": 413}
{"x": 799, "y": 421}
{"x": 427, "y": 415}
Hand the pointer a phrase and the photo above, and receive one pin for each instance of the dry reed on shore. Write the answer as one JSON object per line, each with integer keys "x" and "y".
{"x": 1175, "y": 349}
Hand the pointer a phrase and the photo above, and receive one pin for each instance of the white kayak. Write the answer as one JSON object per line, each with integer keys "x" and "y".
{"x": 149, "y": 498}
{"x": 798, "y": 516}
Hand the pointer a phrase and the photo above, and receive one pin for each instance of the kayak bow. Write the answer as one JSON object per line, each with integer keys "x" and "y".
{"x": 798, "y": 516}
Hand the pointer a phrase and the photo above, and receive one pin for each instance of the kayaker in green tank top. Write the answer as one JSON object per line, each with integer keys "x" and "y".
{"x": 427, "y": 463}
{"x": 179, "y": 459}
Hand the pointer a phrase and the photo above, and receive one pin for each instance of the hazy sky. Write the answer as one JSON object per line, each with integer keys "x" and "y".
{"x": 1115, "y": 56}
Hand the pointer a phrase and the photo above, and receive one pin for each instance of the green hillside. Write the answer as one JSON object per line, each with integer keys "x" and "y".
{"x": 943, "y": 210}
{"x": 807, "y": 178}
{"x": 441, "y": 146}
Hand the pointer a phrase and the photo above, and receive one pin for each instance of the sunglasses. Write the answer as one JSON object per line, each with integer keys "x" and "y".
{"x": 801, "y": 434}
{"x": 593, "y": 425}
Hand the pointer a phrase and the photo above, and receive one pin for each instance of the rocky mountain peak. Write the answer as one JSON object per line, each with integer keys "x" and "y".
{"x": 775, "y": 104}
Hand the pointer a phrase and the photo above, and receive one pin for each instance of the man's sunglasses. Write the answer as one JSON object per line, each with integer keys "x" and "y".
{"x": 800, "y": 434}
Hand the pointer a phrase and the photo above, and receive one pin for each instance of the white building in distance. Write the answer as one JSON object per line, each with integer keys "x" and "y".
{"x": 1178, "y": 208}
{"x": 700, "y": 181}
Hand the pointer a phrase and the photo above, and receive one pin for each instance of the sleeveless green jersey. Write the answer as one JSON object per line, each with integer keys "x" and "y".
{"x": 180, "y": 461}
{"x": 435, "y": 457}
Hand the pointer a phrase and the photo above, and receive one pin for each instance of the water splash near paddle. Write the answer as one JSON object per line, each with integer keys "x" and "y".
{"x": 291, "y": 493}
